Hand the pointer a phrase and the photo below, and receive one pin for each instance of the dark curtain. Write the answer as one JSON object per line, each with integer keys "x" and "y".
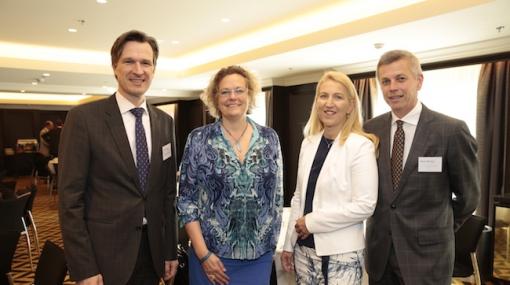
{"x": 367, "y": 92}
{"x": 493, "y": 133}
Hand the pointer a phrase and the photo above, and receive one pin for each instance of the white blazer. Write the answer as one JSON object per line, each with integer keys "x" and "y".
{"x": 345, "y": 195}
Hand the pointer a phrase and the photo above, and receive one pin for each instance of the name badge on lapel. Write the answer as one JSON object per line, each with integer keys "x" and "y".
{"x": 167, "y": 151}
{"x": 430, "y": 164}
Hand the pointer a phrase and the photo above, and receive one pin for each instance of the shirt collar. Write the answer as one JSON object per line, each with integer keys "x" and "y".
{"x": 125, "y": 106}
{"x": 411, "y": 118}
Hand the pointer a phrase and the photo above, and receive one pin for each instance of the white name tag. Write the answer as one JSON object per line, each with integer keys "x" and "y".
{"x": 167, "y": 151}
{"x": 430, "y": 164}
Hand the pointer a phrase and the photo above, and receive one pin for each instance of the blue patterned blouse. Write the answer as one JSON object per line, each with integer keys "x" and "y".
{"x": 238, "y": 205}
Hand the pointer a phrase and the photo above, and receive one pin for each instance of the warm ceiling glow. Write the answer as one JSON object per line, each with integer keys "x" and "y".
{"x": 340, "y": 13}
{"x": 102, "y": 1}
{"x": 41, "y": 99}
{"x": 72, "y": 30}
{"x": 33, "y": 52}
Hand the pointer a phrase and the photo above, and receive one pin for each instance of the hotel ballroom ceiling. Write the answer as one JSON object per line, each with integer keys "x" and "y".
{"x": 284, "y": 42}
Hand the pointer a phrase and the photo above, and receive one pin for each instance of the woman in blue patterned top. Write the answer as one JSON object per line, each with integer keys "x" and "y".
{"x": 230, "y": 189}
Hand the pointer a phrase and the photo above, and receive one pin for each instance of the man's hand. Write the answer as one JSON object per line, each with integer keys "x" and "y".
{"x": 301, "y": 228}
{"x": 287, "y": 261}
{"x": 94, "y": 280}
{"x": 170, "y": 269}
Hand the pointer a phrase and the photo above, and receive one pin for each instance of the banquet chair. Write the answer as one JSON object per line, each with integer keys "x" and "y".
{"x": 11, "y": 218}
{"x": 466, "y": 242}
{"x": 28, "y": 218}
{"x": 8, "y": 241}
{"x": 52, "y": 266}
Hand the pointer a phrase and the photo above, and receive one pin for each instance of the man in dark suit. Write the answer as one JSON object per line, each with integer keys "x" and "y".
{"x": 428, "y": 182}
{"x": 117, "y": 178}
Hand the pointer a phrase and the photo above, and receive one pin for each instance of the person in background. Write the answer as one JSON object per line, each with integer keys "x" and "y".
{"x": 428, "y": 182}
{"x": 336, "y": 189}
{"x": 44, "y": 145}
{"x": 53, "y": 137}
{"x": 117, "y": 176}
{"x": 230, "y": 189}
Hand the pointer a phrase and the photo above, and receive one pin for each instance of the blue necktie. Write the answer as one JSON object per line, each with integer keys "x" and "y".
{"x": 142, "y": 153}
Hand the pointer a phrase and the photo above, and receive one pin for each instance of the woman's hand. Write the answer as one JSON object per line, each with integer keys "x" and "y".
{"x": 215, "y": 271}
{"x": 287, "y": 260}
{"x": 301, "y": 229}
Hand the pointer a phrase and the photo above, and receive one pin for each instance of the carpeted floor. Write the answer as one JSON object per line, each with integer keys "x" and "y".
{"x": 45, "y": 214}
{"x": 46, "y": 219}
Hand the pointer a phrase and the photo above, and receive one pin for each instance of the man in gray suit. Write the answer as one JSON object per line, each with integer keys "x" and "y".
{"x": 428, "y": 182}
{"x": 117, "y": 178}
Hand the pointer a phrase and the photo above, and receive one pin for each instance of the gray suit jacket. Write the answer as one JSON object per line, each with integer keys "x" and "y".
{"x": 101, "y": 207}
{"x": 420, "y": 217}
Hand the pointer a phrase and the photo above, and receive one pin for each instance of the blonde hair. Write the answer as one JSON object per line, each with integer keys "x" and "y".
{"x": 353, "y": 122}
{"x": 210, "y": 95}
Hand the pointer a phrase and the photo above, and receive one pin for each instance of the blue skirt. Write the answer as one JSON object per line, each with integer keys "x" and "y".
{"x": 245, "y": 272}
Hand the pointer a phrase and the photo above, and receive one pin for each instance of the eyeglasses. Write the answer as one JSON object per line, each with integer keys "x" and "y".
{"x": 237, "y": 92}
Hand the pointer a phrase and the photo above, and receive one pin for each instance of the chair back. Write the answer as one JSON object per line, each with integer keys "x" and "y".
{"x": 466, "y": 242}
{"x": 32, "y": 189}
{"x": 11, "y": 212}
{"x": 52, "y": 266}
{"x": 8, "y": 243}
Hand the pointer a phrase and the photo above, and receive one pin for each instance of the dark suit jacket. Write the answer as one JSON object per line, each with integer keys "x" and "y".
{"x": 101, "y": 207}
{"x": 420, "y": 217}
{"x": 53, "y": 138}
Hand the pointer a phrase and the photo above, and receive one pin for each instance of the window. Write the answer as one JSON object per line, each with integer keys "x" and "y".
{"x": 258, "y": 114}
{"x": 451, "y": 91}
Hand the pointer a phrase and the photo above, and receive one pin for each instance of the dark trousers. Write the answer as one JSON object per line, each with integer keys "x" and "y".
{"x": 144, "y": 273}
{"x": 392, "y": 275}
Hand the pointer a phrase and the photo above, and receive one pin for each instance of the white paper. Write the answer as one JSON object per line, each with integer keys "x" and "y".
{"x": 430, "y": 164}
{"x": 167, "y": 151}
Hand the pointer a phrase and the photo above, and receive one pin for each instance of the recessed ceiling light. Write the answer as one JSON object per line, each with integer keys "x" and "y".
{"x": 174, "y": 42}
{"x": 22, "y": 91}
{"x": 46, "y": 74}
{"x": 379, "y": 45}
{"x": 102, "y": 1}
{"x": 225, "y": 20}
{"x": 72, "y": 30}
{"x": 35, "y": 83}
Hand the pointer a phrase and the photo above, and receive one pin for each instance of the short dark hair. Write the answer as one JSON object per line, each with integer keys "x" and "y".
{"x": 391, "y": 56}
{"x": 133, "y": 36}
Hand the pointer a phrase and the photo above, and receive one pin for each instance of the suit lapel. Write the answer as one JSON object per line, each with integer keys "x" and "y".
{"x": 384, "y": 154}
{"x": 308, "y": 156}
{"x": 418, "y": 145}
{"x": 116, "y": 125}
{"x": 156, "y": 159}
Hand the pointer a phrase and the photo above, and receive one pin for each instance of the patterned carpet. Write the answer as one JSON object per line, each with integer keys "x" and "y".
{"x": 46, "y": 219}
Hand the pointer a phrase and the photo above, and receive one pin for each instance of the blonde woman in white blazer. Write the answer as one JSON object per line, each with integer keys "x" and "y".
{"x": 336, "y": 189}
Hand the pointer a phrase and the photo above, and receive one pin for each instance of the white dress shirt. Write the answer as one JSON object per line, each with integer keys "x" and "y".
{"x": 130, "y": 120}
{"x": 410, "y": 122}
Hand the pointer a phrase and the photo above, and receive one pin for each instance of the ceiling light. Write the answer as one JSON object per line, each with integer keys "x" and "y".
{"x": 35, "y": 83}
{"x": 225, "y": 20}
{"x": 102, "y": 1}
{"x": 72, "y": 30}
{"x": 176, "y": 42}
{"x": 22, "y": 91}
{"x": 46, "y": 74}
{"x": 379, "y": 45}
